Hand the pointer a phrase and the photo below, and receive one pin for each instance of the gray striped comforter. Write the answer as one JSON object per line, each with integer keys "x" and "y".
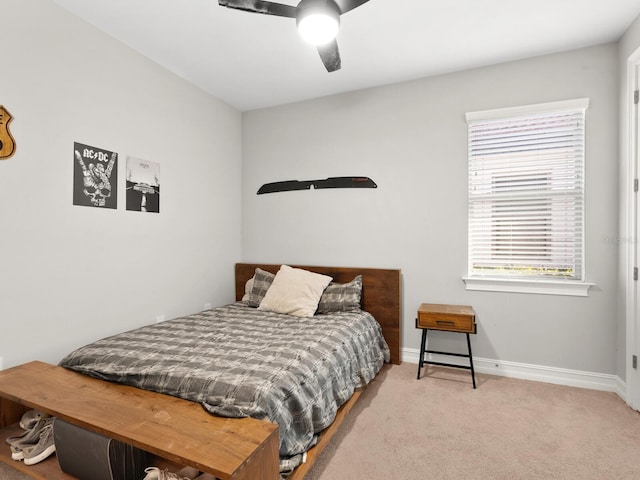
{"x": 238, "y": 361}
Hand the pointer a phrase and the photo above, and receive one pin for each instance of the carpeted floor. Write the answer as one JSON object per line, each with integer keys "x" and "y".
{"x": 506, "y": 429}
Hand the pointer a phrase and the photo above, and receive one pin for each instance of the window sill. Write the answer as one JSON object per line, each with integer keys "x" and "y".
{"x": 543, "y": 287}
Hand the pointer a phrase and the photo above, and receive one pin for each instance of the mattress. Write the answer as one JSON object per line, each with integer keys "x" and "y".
{"x": 238, "y": 361}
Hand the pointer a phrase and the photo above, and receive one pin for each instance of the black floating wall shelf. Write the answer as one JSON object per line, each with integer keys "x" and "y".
{"x": 331, "y": 182}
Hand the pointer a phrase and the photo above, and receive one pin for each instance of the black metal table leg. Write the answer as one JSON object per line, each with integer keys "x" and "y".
{"x": 473, "y": 373}
{"x": 422, "y": 349}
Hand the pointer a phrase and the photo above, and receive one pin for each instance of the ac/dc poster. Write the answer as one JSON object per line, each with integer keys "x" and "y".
{"x": 95, "y": 177}
{"x": 143, "y": 185}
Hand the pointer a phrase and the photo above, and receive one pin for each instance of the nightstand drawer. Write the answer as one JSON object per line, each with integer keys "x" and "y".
{"x": 453, "y": 319}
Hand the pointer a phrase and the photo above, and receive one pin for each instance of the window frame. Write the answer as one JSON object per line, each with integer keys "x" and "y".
{"x": 524, "y": 283}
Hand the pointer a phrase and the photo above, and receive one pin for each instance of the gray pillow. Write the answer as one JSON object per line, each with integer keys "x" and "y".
{"x": 262, "y": 280}
{"x": 341, "y": 297}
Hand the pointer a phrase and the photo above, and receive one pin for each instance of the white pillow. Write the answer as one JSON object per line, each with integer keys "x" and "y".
{"x": 295, "y": 292}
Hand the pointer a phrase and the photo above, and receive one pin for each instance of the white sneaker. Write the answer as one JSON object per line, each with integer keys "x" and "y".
{"x": 33, "y": 454}
{"x": 29, "y": 438}
{"x": 30, "y": 419}
{"x": 28, "y": 422}
{"x": 154, "y": 473}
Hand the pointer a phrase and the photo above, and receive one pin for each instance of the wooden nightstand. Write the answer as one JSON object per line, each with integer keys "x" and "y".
{"x": 448, "y": 318}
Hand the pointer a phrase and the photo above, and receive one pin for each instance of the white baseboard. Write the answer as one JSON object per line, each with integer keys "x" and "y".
{"x": 537, "y": 373}
{"x": 621, "y": 389}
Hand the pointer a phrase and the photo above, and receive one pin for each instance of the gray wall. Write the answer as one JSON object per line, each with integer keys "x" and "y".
{"x": 411, "y": 138}
{"x": 71, "y": 274}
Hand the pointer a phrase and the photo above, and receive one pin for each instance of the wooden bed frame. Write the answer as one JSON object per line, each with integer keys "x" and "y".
{"x": 179, "y": 432}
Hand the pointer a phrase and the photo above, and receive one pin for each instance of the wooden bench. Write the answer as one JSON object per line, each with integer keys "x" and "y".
{"x": 173, "y": 429}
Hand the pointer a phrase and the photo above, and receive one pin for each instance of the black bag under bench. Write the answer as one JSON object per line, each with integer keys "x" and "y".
{"x": 87, "y": 455}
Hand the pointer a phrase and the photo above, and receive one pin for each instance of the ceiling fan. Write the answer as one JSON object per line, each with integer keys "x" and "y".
{"x": 317, "y": 20}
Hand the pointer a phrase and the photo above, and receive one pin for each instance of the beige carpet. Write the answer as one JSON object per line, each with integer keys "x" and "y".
{"x": 438, "y": 427}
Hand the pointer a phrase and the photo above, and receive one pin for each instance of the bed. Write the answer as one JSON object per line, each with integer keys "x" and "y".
{"x": 177, "y": 358}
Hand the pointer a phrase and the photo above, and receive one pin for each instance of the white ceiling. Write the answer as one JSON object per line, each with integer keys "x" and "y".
{"x": 252, "y": 61}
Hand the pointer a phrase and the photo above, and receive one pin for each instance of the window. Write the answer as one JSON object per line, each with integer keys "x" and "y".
{"x": 526, "y": 196}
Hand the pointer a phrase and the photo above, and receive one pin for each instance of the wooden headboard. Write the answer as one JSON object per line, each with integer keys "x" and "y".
{"x": 380, "y": 294}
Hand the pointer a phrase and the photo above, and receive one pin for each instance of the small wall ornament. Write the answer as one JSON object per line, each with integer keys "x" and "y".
{"x": 7, "y": 143}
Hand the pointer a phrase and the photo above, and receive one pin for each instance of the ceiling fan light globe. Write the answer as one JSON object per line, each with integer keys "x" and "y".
{"x": 318, "y": 28}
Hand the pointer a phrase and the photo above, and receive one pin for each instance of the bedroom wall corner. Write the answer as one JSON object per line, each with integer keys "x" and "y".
{"x": 73, "y": 274}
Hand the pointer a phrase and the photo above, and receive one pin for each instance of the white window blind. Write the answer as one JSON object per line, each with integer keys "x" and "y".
{"x": 526, "y": 192}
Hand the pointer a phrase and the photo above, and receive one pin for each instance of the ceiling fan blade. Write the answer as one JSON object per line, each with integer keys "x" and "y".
{"x": 260, "y": 6}
{"x": 330, "y": 56}
{"x": 346, "y": 5}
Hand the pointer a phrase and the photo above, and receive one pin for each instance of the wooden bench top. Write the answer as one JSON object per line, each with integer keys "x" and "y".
{"x": 174, "y": 429}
